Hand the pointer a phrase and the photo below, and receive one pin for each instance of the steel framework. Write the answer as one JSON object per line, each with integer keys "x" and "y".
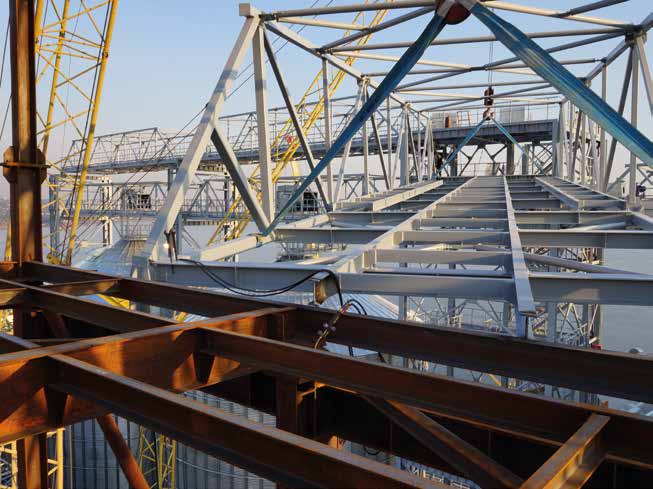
{"x": 499, "y": 239}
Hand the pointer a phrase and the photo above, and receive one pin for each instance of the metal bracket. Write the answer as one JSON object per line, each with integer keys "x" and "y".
{"x": 9, "y": 166}
{"x": 324, "y": 286}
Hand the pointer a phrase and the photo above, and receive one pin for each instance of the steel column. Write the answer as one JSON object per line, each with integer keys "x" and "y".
{"x": 263, "y": 125}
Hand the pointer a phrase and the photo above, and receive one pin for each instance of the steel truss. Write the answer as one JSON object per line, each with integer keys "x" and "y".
{"x": 478, "y": 239}
{"x": 83, "y": 378}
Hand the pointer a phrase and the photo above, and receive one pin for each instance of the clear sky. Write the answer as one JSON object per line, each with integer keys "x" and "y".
{"x": 166, "y": 56}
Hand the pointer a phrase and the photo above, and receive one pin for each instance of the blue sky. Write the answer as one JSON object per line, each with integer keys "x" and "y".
{"x": 166, "y": 56}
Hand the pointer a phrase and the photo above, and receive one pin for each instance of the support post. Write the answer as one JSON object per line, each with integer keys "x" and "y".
{"x": 388, "y": 109}
{"x": 328, "y": 128}
{"x": 123, "y": 453}
{"x": 632, "y": 185}
{"x": 404, "y": 174}
{"x": 510, "y": 159}
{"x": 583, "y": 150}
{"x": 604, "y": 95}
{"x": 622, "y": 105}
{"x": 262, "y": 124}
{"x": 366, "y": 149}
{"x": 32, "y": 455}
{"x": 377, "y": 140}
{"x": 524, "y": 159}
{"x": 646, "y": 71}
{"x": 25, "y": 171}
{"x": 22, "y": 166}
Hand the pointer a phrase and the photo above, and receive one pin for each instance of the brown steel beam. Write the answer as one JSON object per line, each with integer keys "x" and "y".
{"x": 575, "y": 461}
{"x": 167, "y": 357}
{"x": 85, "y": 287}
{"x": 497, "y": 409}
{"x": 108, "y": 425}
{"x": 272, "y": 453}
{"x": 345, "y": 415}
{"x": 602, "y": 372}
{"x": 465, "y": 458}
{"x": 113, "y": 318}
{"x": 32, "y": 457}
{"x": 389, "y": 330}
{"x": 123, "y": 453}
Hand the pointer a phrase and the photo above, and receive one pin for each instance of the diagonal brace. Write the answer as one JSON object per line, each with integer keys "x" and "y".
{"x": 397, "y": 73}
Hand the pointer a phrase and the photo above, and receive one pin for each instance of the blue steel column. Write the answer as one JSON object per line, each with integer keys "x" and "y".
{"x": 389, "y": 83}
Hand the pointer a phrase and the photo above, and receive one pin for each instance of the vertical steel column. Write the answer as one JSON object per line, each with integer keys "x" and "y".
{"x": 510, "y": 159}
{"x": 570, "y": 144}
{"x": 583, "y": 150}
{"x": 54, "y": 214}
{"x": 602, "y": 148}
{"x": 420, "y": 152}
{"x": 366, "y": 149}
{"x": 592, "y": 131}
{"x": 262, "y": 124}
{"x": 25, "y": 171}
{"x": 404, "y": 174}
{"x": 22, "y": 167}
{"x": 107, "y": 223}
{"x": 555, "y": 148}
{"x": 524, "y": 159}
{"x": 328, "y": 128}
{"x": 622, "y": 105}
{"x": 562, "y": 141}
{"x": 632, "y": 186}
{"x": 391, "y": 174}
{"x": 646, "y": 71}
{"x": 430, "y": 149}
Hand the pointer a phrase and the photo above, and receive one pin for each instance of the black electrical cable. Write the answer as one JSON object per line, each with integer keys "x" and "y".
{"x": 237, "y": 289}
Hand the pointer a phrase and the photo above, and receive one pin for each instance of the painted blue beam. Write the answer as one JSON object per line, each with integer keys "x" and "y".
{"x": 566, "y": 83}
{"x": 385, "y": 88}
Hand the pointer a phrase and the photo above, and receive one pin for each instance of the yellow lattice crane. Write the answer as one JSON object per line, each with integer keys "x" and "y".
{"x": 157, "y": 455}
{"x": 73, "y": 38}
{"x": 238, "y": 214}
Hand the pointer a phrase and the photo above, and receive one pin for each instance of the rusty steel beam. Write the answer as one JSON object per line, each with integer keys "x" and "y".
{"x": 268, "y": 452}
{"x": 108, "y": 425}
{"x": 575, "y": 461}
{"x": 85, "y": 287}
{"x": 517, "y": 359}
{"x": 501, "y": 410}
{"x": 32, "y": 456}
{"x": 367, "y": 426}
{"x": 123, "y": 453}
{"x": 467, "y": 459}
{"x": 113, "y": 318}
{"x": 128, "y": 356}
{"x": 167, "y": 357}
{"x": 602, "y": 372}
